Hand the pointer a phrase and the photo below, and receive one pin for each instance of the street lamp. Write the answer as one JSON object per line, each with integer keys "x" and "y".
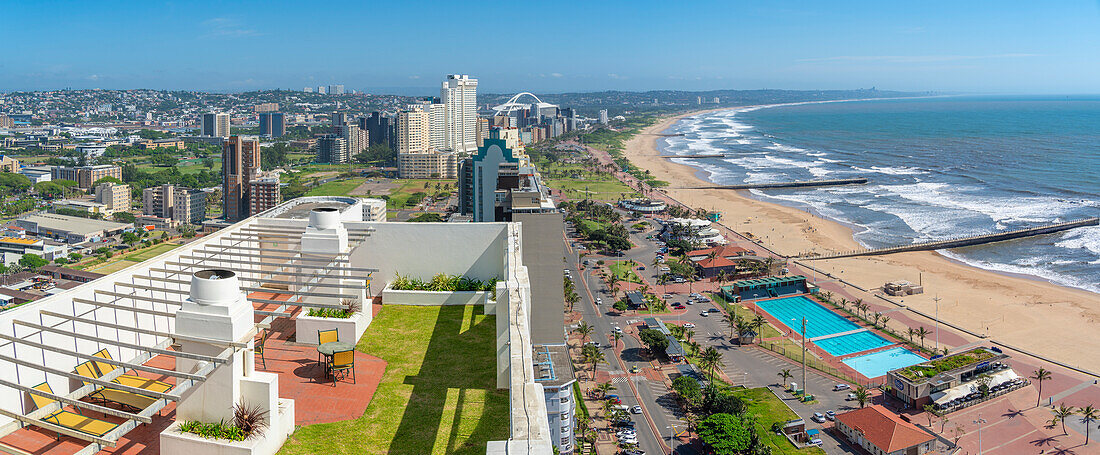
{"x": 937, "y": 300}
{"x": 980, "y": 421}
{"x": 803, "y": 354}
{"x": 671, "y": 439}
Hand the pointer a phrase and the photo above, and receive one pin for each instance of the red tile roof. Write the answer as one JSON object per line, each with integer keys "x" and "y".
{"x": 722, "y": 251}
{"x": 716, "y": 262}
{"x": 883, "y": 428}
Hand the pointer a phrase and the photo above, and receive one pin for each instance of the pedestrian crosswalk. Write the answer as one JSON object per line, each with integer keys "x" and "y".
{"x": 620, "y": 379}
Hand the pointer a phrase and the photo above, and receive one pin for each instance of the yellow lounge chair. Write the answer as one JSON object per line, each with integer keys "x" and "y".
{"x": 70, "y": 420}
{"x": 129, "y": 379}
{"x": 130, "y": 399}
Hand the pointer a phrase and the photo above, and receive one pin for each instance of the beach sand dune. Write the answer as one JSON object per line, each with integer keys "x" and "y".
{"x": 1054, "y": 321}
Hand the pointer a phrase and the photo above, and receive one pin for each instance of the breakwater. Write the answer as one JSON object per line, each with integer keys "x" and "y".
{"x": 961, "y": 241}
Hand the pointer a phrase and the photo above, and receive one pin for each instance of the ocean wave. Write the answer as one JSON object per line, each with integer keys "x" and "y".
{"x": 999, "y": 209}
{"x": 1037, "y": 271}
{"x": 1087, "y": 238}
{"x": 898, "y": 170}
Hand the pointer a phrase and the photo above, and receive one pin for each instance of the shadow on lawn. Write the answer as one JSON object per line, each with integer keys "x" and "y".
{"x": 453, "y": 360}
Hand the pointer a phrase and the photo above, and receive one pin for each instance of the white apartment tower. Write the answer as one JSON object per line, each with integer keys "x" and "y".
{"x": 413, "y": 135}
{"x": 459, "y": 96}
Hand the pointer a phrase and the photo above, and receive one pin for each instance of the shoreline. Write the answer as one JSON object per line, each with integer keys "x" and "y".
{"x": 1021, "y": 310}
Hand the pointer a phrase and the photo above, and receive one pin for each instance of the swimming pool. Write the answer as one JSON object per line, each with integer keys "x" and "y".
{"x": 851, "y": 343}
{"x": 821, "y": 322}
{"x": 877, "y": 364}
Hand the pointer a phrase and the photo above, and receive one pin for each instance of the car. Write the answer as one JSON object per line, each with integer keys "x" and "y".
{"x": 840, "y": 387}
{"x": 628, "y": 440}
{"x": 666, "y": 296}
{"x": 635, "y": 369}
{"x": 599, "y": 300}
{"x": 593, "y": 343}
{"x": 850, "y": 397}
{"x": 704, "y": 314}
{"x": 689, "y": 325}
{"x": 712, "y": 310}
{"x": 818, "y": 417}
{"x": 695, "y": 295}
{"x": 690, "y": 302}
{"x": 619, "y": 330}
{"x": 678, "y": 306}
{"x": 634, "y": 452}
{"x": 625, "y": 434}
{"x": 635, "y": 409}
{"x": 830, "y": 415}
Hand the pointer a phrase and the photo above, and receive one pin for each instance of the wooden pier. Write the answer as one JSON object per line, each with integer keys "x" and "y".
{"x": 794, "y": 184}
{"x": 961, "y": 241}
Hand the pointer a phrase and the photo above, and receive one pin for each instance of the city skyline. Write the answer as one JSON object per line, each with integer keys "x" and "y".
{"x": 1004, "y": 48}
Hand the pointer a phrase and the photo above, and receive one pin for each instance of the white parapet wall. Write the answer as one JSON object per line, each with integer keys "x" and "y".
{"x": 391, "y": 296}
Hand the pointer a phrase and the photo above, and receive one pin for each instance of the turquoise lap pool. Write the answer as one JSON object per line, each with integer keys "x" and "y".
{"x": 822, "y": 322}
{"x": 877, "y": 364}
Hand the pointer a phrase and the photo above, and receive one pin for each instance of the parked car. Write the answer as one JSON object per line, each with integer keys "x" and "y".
{"x": 704, "y": 314}
{"x": 635, "y": 369}
{"x": 666, "y": 296}
{"x": 678, "y": 307}
{"x": 830, "y": 415}
{"x": 712, "y": 310}
{"x": 818, "y": 417}
{"x": 641, "y": 267}
{"x": 619, "y": 330}
{"x": 850, "y": 397}
{"x": 599, "y": 300}
{"x": 689, "y": 325}
{"x": 636, "y": 409}
{"x": 840, "y": 387}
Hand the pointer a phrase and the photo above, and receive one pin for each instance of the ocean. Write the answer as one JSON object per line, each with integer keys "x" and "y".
{"x": 938, "y": 168}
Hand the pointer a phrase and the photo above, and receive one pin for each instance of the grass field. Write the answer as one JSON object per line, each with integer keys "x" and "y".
{"x": 337, "y": 187}
{"x": 438, "y": 394}
{"x": 604, "y": 190}
{"x": 769, "y": 409}
{"x": 151, "y": 252}
{"x": 624, "y": 270}
{"x": 400, "y": 195}
{"x": 112, "y": 266}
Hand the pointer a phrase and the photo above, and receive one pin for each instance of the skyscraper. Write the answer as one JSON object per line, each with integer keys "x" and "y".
{"x": 215, "y": 125}
{"x": 321, "y": 89}
{"x": 336, "y": 89}
{"x": 273, "y": 124}
{"x": 240, "y": 163}
{"x": 331, "y": 148}
{"x": 459, "y": 96}
{"x": 355, "y": 138}
{"x": 603, "y": 116}
{"x": 413, "y": 133}
{"x": 380, "y": 129}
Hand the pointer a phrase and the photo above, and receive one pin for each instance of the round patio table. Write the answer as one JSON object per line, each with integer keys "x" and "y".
{"x": 327, "y": 349}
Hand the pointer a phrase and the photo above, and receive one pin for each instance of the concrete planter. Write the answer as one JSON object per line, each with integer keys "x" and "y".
{"x": 349, "y": 329}
{"x": 434, "y": 298}
{"x": 176, "y": 442}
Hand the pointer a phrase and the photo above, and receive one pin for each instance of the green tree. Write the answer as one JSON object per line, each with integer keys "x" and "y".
{"x": 862, "y": 396}
{"x": 584, "y": 330}
{"x": 688, "y": 389}
{"x": 32, "y": 261}
{"x": 654, "y": 340}
{"x": 124, "y": 217}
{"x": 711, "y": 361}
{"x": 726, "y": 434}
{"x": 1062, "y": 413}
{"x": 784, "y": 375}
{"x": 130, "y": 238}
{"x": 1089, "y": 414}
{"x": 428, "y": 217}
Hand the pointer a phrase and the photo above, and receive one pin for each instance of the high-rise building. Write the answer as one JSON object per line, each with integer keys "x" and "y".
{"x": 215, "y": 125}
{"x": 459, "y": 96}
{"x": 336, "y": 89}
{"x": 6, "y": 122}
{"x": 273, "y": 124}
{"x": 263, "y": 194}
{"x": 322, "y": 90}
{"x": 603, "y": 116}
{"x": 355, "y": 138}
{"x": 308, "y": 89}
{"x": 240, "y": 163}
{"x": 380, "y": 129}
{"x": 181, "y": 204}
{"x": 432, "y": 164}
{"x": 482, "y": 131}
{"x": 115, "y": 197}
{"x": 331, "y": 148}
{"x": 413, "y": 131}
{"x": 436, "y": 126}
{"x": 266, "y": 107}
{"x": 8, "y": 164}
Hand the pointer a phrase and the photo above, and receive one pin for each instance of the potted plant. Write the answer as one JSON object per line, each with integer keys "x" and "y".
{"x": 349, "y": 322}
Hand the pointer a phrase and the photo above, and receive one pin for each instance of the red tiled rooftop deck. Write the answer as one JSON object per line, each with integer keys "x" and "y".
{"x": 315, "y": 398}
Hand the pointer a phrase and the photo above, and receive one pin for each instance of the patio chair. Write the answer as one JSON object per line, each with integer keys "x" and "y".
{"x": 326, "y": 336}
{"x": 259, "y": 347}
{"x": 68, "y": 419}
{"x": 104, "y": 394}
{"x": 131, "y": 380}
{"x": 343, "y": 363}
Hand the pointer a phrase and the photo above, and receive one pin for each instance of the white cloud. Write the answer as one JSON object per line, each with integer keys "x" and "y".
{"x": 224, "y": 27}
{"x": 915, "y": 58}
{"x": 556, "y": 74}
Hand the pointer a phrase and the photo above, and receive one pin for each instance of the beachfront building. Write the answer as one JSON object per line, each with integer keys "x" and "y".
{"x": 693, "y": 230}
{"x": 431, "y": 164}
{"x": 881, "y": 432}
{"x": 196, "y": 317}
{"x": 499, "y": 182}
{"x": 647, "y": 206}
{"x": 554, "y": 370}
{"x": 763, "y": 288}
{"x": 948, "y": 381}
{"x": 711, "y": 262}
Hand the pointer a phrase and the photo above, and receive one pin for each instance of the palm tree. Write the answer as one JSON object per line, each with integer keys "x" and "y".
{"x": 1088, "y": 415}
{"x": 885, "y": 319}
{"x": 594, "y": 357}
{"x": 859, "y": 303}
{"x": 844, "y": 303}
{"x": 827, "y": 295}
{"x": 1061, "y": 414}
{"x": 722, "y": 277}
{"x": 604, "y": 388}
{"x": 731, "y": 320}
{"x": 613, "y": 283}
{"x": 617, "y": 336}
{"x": 758, "y": 322}
{"x": 743, "y": 327}
{"x": 862, "y": 395}
{"x": 1040, "y": 375}
{"x": 695, "y": 347}
{"x": 878, "y": 317}
{"x": 911, "y": 331}
{"x": 711, "y": 360}
{"x": 584, "y": 329}
{"x": 784, "y": 375}
{"x": 921, "y": 333}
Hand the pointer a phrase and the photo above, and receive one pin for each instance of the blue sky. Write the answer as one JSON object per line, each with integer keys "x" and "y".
{"x": 544, "y": 46}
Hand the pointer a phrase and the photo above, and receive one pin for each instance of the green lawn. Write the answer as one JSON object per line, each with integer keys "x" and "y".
{"x": 624, "y": 270}
{"x": 769, "y": 409}
{"x": 407, "y": 187}
{"x": 438, "y": 394}
{"x": 112, "y": 265}
{"x": 151, "y": 252}
{"x": 336, "y": 187}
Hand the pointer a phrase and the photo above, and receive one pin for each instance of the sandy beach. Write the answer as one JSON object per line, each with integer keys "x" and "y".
{"x": 1054, "y": 321}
